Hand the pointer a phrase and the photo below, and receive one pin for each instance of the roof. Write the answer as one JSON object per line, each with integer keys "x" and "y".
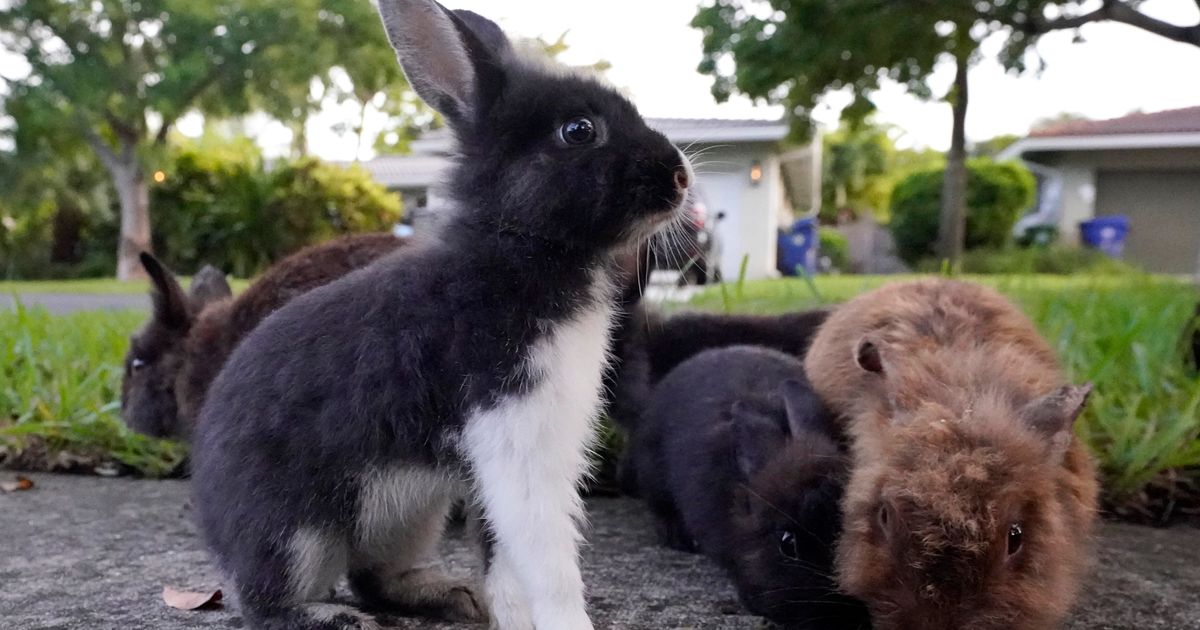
{"x": 1186, "y": 120}
{"x": 677, "y": 130}
{"x": 719, "y": 129}
{"x": 406, "y": 171}
{"x": 1171, "y": 129}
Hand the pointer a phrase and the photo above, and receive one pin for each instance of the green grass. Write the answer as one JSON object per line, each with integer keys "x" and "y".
{"x": 1122, "y": 333}
{"x": 92, "y": 286}
{"x": 60, "y": 375}
{"x": 60, "y": 390}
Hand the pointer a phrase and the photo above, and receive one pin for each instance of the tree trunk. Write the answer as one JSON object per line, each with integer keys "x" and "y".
{"x": 134, "y": 196}
{"x": 953, "y": 228}
{"x": 362, "y": 129}
{"x": 135, "y": 220}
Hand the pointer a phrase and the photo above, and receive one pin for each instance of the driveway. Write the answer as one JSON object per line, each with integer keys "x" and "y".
{"x": 91, "y": 553}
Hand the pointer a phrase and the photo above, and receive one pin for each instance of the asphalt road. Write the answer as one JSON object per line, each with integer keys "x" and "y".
{"x": 63, "y": 303}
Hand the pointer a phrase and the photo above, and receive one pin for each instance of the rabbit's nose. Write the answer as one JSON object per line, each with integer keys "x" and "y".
{"x": 681, "y": 179}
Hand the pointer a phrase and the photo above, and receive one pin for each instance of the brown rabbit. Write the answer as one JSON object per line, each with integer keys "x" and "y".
{"x": 175, "y": 356}
{"x": 970, "y": 504}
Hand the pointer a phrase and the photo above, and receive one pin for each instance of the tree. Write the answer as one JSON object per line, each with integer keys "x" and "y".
{"x": 121, "y": 73}
{"x": 857, "y": 159}
{"x": 795, "y": 52}
{"x": 50, "y": 171}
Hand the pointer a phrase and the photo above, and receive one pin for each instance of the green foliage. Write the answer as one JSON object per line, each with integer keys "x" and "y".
{"x": 997, "y": 194}
{"x": 219, "y": 207}
{"x": 210, "y": 210}
{"x": 25, "y": 240}
{"x": 992, "y": 147}
{"x": 835, "y": 247}
{"x": 55, "y": 195}
{"x": 1053, "y": 260}
{"x": 1121, "y": 333}
{"x": 795, "y": 52}
{"x": 311, "y": 201}
{"x": 117, "y": 75}
{"x": 60, "y": 394}
{"x": 855, "y": 163}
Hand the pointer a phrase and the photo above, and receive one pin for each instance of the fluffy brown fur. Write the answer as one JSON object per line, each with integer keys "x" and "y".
{"x": 186, "y": 342}
{"x": 970, "y": 504}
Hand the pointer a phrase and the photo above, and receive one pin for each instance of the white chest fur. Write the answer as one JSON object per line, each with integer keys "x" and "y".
{"x": 527, "y": 454}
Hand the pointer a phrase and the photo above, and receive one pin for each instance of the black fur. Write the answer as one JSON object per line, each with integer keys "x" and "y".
{"x": 157, "y": 352}
{"x": 673, "y": 340}
{"x": 383, "y": 367}
{"x": 648, "y": 345}
{"x": 733, "y": 454}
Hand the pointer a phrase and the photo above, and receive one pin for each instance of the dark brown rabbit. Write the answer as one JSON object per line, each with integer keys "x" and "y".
{"x": 970, "y": 503}
{"x": 175, "y": 356}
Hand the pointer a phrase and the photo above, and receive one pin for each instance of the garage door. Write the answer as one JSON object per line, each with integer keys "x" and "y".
{"x": 1164, "y": 212}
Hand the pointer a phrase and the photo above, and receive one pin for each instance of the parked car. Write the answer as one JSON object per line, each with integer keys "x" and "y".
{"x": 693, "y": 250}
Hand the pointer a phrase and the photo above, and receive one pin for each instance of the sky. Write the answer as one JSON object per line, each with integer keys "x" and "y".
{"x": 654, "y": 53}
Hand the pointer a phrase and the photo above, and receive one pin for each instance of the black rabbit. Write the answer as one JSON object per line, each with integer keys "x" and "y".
{"x": 735, "y": 457}
{"x": 175, "y": 356}
{"x": 340, "y": 430}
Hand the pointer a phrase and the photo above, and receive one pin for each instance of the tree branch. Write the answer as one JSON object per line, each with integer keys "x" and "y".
{"x": 107, "y": 156}
{"x": 190, "y": 95}
{"x": 1118, "y": 11}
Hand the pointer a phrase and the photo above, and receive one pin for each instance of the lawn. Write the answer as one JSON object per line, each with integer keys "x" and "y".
{"x": 60, "y": 377}
{"x": 60, "y": 388}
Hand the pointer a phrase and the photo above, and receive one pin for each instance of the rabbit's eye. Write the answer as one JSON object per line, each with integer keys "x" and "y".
{"x": 788, "y": 546}
{"x": 137, "y": 364}
{"x": 885, "y": 517}
{"x": 578, "y": 131}
{"x": 1014, "y": 538}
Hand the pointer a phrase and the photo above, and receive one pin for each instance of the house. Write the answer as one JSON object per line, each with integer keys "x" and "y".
{"x": 745, "y": 175}
{"x": 1144, "y": 166}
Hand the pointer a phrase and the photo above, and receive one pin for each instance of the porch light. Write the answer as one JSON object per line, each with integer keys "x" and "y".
{"x": 756, "y": 172}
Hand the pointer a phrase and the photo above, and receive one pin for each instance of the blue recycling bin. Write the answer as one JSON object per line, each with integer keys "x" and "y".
{"x": 1106, "y": 234}
{"x": 798, "y": 248}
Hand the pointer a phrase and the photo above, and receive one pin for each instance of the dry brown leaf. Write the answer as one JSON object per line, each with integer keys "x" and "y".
{"x": 21, "y": 484}
{"x": 190, "y": 600}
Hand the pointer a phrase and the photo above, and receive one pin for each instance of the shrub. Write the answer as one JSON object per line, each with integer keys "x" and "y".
{"x": 310, "y": 201}
{"x": 208, "y": 210}
{"x": 25, "y": 239}
{"x": 997, "y": 193}
{"x": 1054, "y": 260}
{"x": 218, "y": 206}
{"x": 835, "y": 247}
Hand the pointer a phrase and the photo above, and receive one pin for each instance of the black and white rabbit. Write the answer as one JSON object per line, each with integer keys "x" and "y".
{"x": 340, "y": 430}
{"x": 735, "y": 457}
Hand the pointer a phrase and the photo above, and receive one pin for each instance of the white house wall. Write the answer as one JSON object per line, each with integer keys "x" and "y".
{"x": 752, "y": 212}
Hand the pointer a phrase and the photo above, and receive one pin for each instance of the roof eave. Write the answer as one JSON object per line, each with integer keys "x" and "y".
{"x": 1101, "y": 142}
{"x": 772, "y": 133}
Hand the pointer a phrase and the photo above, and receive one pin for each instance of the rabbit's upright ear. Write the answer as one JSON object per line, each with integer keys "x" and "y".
{"x": 1053, "y": 415}
{"x": 451, "y": 58}
{"x": 805, "y": 411}
{"x": 208, "y": 285}
{"x": 170, "y": 303}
